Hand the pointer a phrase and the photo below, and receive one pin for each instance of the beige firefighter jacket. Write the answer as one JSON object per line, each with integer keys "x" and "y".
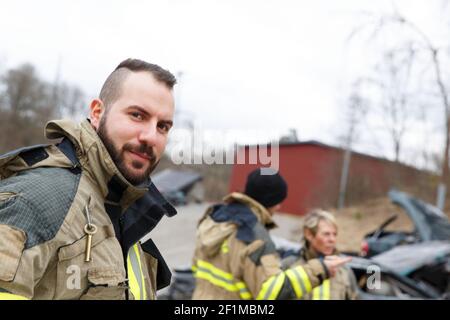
{"x": 235, "y": 257}
{"x": 46, "y": 201}
{"x": 342, "y": 286}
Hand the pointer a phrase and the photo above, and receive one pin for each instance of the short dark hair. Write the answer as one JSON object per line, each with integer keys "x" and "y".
{"x": 111, "y": 89}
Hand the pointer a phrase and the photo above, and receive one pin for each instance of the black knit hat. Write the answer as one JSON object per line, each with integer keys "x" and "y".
{"x": 269, "y": 190}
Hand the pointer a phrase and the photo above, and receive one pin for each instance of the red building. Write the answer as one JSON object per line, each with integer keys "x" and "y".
{"x": 313, "y": 170}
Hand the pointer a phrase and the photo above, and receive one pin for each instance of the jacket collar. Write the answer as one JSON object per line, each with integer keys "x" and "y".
{"x": 262, "y": 214}
{"x": 94, "y": 158}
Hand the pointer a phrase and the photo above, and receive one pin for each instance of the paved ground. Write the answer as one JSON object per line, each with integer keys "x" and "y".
{"x": 175, "y": 237}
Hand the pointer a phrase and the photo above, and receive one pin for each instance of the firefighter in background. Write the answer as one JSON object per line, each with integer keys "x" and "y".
{"x": 319, "y": 241}
{"x": 235, "y": 257}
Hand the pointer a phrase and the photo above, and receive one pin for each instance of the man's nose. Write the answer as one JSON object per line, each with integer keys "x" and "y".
{"x": 149, "y": 134}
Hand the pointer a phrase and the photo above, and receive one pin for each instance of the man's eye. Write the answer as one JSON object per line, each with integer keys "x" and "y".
{"x": 137, "y": 115}
{"x": 164, "y": 127}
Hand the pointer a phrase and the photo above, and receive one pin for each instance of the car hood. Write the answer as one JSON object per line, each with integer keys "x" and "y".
{"x": 430, "y": 222}
{"x": 409, "y": 258}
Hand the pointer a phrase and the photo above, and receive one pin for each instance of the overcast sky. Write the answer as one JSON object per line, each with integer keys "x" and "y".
{"x": 265, "y": 65}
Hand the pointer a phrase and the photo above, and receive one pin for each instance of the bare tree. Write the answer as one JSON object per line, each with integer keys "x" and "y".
{"x": 27, "y": 102}
{"x": 420, "y": 44}
{"x": 393, "y": 97}
{"x": 70, "y": 99}
{"x": 356, "y": 110}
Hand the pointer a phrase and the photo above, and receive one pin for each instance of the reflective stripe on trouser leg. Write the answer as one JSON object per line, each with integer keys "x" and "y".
{"x": 135, "y": 274}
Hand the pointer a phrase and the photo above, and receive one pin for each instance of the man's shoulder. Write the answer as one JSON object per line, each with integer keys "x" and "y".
{"x": 39, "y": 185}
{"x": 37, "y": 201}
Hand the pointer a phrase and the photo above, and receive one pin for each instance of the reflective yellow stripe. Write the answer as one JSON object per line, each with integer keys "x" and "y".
{"x": 141, "y": 272}
{"x": 138, "y": 255}
{"x": 265, "y": 288}
{"x": 218, "y": 282}
{"x": 326, "y": 289}
{"x": 271, "y": 287}
{"x": 224, "y": 248}
{"x": 322, "y": 292}
{"x": 215, "y": 270}
{"x": 243, "y": 291}
{"x": 134, "y": 286}
{"x": 10, "y": 296}
{"x": 278, "y": 285}
{"x": 316, "y": 293}
{"x": 304, "y": 277}
{"x": 294, "y": 277}
{"x": 241, "y": 285}
{"x": 206, "y": 271}
{"x": 135, "y": 274}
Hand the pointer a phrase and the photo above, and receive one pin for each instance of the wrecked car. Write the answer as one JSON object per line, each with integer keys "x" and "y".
{"x": 426, "y": 264}
{"x": 430, "y": 224}
{"x": 418, "y": 271}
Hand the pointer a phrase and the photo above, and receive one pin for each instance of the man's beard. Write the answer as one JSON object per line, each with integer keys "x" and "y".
{"x": 118, "y": 156}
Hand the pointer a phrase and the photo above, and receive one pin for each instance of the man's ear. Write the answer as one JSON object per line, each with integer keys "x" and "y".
{"x": 97, "y": 110}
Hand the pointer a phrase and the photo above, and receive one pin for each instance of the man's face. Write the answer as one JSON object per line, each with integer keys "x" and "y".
{"x": 134, "y": 129}
{"x": 324, "y": 241}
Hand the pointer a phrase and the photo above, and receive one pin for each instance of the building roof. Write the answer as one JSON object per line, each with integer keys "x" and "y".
{"x": 170, "y": 180}
{"x": 323, "y": 145}
{"x": 302, "y": 143}
{"x": 327, "y": 146}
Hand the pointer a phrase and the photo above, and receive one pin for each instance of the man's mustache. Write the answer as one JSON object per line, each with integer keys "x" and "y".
{"x": 142, "y": 148}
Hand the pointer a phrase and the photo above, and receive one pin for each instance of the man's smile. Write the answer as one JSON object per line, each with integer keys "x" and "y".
{"x": 140, "y": 156}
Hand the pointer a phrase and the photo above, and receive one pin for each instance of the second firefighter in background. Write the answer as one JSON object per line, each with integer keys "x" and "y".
{"x": 235, "y": 258}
